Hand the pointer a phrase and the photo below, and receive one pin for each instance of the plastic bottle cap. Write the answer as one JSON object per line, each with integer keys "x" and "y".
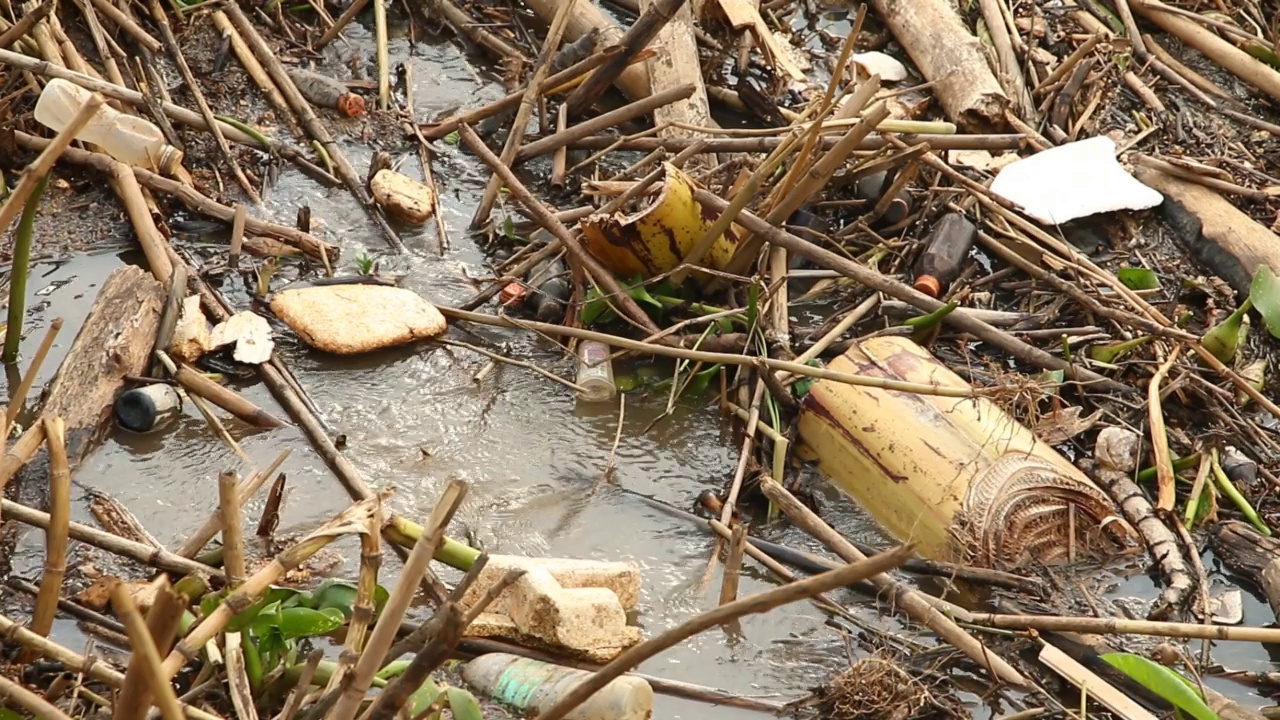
{"x": 351, "y": 105}
{"x": 929, "y": 285}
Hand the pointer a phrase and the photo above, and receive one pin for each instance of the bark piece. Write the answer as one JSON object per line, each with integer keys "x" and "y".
{"x": 357, "y": 318}
{"x": 1228, "y": 242}
{"x": 586, "y": 17}
{"x": 1252, "y": 556}
{"x": 115, "y": 341}
{"x": 677, "y": 65}
{"x": 951, "y": 57}
{"x": 191, "y": 335}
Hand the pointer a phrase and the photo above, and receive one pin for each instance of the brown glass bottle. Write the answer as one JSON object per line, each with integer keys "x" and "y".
{"x": 945, "y": 250}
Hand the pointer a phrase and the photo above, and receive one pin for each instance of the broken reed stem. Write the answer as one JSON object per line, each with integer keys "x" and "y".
{"x": 24, "y": 387}
{"x": 193, "y": 87}
{"x": 351, "y": 520}
{"x": 145, "y": 554}
{"x": 144, "y": 652}
{"x": 343, "y": 20}
{"x": 19, "y": 29}
{"x": 1165, "y": 489}
{"x": 56, "y": 537}
{"x": 908, "y": 600}
{"x": 163, "y": 620}
{"x": 758, "y": 603}
{"x": 19, "y": 455}
{"x": 733, "y": 565}
{"x": 553, "y": 83}
{"x": 213, "y": 525}
{"x": 232, "y": 528}
{"x": 197, "y": 383}
{"x": 366, "y": 589}
{"x": 630, "y": 111}
{"x": 603, "y": 278}
{"x": 190, "y": 197}
{"x": 542, "y": 66}
{"x": 703, "y": 356}
{"x": 637, "y": 38}
{"x": 357, "y": 682}
{"x": 257, "y": 72}
{"x": 30, "y": 701}
{"x": 1124, "y": 626}
{"x": 383, "y": 55}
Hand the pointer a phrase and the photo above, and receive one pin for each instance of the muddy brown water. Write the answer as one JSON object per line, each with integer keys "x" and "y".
{"x": 414, "y": 418}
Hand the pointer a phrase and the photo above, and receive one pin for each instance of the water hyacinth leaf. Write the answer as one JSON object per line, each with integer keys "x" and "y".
{"x": 802, "y": 386}
{"x": 341, "y": 594}
{"x": 463, "y": 705}
{"x": 1264, "y": 294}
{"x": 1138, "y": 278}
{"x": 392, "y": 669}
{"x": 1164, "y": 682}
{"x": 702, "y": 379}
{"x": 1112, "y": 352}
{"x": 1223, "y": 339}
{"x": 423, "y": 697}
{"x": 925, "y": 322}
{"x": 300, "y": 622}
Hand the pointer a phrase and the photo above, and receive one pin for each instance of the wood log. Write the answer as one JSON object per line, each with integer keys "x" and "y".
{"x": 950, "y": 57}
{"x": 1229, "y": 243}
{"x": 114, "y": 342}
{"x": 675, "y": 66}
{"x": 1252, "y": 556}
{"x": 585, "y": 17}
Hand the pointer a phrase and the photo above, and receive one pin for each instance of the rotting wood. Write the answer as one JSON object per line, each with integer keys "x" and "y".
{"x": 1251, "y": 556}
{"x": 951, "y": 58}
{"x": 1228, "y": 242}
{"x": 677, "y": 65}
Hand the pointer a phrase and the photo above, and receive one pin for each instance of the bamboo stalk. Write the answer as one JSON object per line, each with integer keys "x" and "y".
{"x": 637, "y": 38}
{"x": 163, "y": 620}
{"x": 55, "y": 542}
{"x": 630, "y": 111}
{"x": 256, "y": 71}
{"x": 19, "y": 29}
{"x": 198, "y": 383}
{"x": 1166, "y": 491}
{"x": 733, "y": 565}
{"x": 232, "y": 528}
{"x": 30, "y": 701}
{"x": 20, "y": 454}
{"x": 145, "y": 653}
{"x": 213, "y": 525}
{"x": 24, "y": 387}
{"x": 360, "y": 678}
{"x": 910, "y": 601}
{"x": 126, "y": 24}
{"x": 153, "y": 243}
{"x": 765, "y": 144}
{"x": 384, "y": 60}
{"x": 758, "y": 603}
{"x": 343, "y": 20}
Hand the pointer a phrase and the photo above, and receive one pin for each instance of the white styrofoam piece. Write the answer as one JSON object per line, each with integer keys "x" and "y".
{"x": 1072, "y": 181}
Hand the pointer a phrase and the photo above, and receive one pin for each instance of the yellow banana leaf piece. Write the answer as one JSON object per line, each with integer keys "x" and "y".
{"x": 656, "y": 239}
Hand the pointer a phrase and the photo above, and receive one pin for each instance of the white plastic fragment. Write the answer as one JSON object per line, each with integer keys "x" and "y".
{"x": 251, "y": 335}
{"x": 877, "y": 63}
{"x": 1072, "y": 181}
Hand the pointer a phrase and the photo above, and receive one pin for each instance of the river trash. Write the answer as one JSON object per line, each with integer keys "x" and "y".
{"x": 659, "y": 237}
{"x": 403, "y": 196}
{"x": 533, "y": 686}
{"x": 945, "y": 251}
{"x": 1072, "y": 181}
{"x": 976, "y": 487}
{"x": 889, "y": 68}
{"x": 327, "y": 92}
{"x": 595, "y": 372}
{"x": 191, "y": 336}
{"x": 578, "y": 606}
{"x": 354, "y": 318}
{"x": 127, "y": 138}
{"x": 250, "y": 334}
{"x": 148, "y": 408}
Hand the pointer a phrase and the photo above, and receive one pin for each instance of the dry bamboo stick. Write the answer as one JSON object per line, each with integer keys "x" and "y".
{"x": 19, "y": 29}
{"x": 145, "y": 653}
{"x": 126, "y": 24}
{"x": 256, "y": 71}
{"x": 30, "y": 701}
{"x": 198, "y": 383}
{"x": 56, "y": 537}
{"x": 145, "y": 554}
{"x": 163, "y": 620}
{"x": 213, "y": 524}
{"x": 911, "y": 602}
{"x": 24, "y": 387}
{"x": 232, "y": 528}
{"x": 641, "y": 107}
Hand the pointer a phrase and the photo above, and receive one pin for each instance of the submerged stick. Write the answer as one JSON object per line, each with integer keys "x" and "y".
{"x": 24, "y": 387}
{"x": 758, "y": 603}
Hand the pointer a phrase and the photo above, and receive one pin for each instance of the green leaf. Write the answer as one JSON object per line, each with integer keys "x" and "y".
{"x": 595, "y": 309}
{"x": 1138, "y": 278}
{"x": 702, "y": 380}
{"x": 300, "y": 622}
{"x": 452, "y": 138}
{"x": 9, "y": 715}
{"x": 509, "y": 227}
{"x": 463, "y": 704}
{"x": 252, "y": 662}
{"x": 924, "y": 322}
{"x": 1164, "y": 682}
{"x": 802, "y": 386}
{"x": 1264, "y": 293}
{"x": 335, "y": 594}
{"x": 753, "y": 304}
{"x": 422, "y": 698}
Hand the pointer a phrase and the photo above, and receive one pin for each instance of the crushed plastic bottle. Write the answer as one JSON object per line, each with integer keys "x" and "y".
{"x": 127, "y": 138}
{"x": 532, "y": 687}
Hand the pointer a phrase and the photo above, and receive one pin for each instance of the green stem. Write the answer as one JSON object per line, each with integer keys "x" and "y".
{"x": 1229, "y": 489}
{"x": 452, "y": 553}
{"x": 1183, "y": 463}
{"x": 18, "y": 277}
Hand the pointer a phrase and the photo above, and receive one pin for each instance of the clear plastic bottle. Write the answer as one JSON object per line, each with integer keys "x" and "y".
{"x": 127, "y": 138}
{"x": 596, "y": 380}
{"x": 530, "y": 685}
